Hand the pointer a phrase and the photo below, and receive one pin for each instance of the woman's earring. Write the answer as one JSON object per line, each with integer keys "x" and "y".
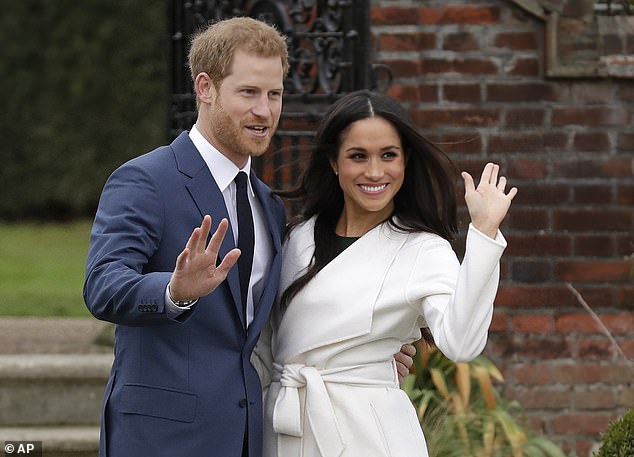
{"x": 336, "y": 172}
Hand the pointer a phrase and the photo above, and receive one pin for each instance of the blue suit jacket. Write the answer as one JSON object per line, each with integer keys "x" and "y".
{"x": 184, "y": 386}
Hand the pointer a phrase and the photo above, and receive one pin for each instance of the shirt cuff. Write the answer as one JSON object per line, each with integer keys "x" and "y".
{"x": 172, "y": 308}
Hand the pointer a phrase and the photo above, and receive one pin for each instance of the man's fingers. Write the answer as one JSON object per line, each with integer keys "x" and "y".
{"x": 217, "y": 237}
{"x": 181, "y": 260}
{"x": 205, "y": 227}
{"x": 229, "y": 261}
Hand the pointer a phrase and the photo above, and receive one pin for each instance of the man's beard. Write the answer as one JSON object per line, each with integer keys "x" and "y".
{"x": 233, "y": 138}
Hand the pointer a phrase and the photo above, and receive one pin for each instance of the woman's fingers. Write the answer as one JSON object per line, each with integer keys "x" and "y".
{"x": 469, "y": 185}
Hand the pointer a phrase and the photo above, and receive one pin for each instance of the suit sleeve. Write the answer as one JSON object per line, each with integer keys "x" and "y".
{"x": 125, "y": 234}
{"x": 456, "y": 299}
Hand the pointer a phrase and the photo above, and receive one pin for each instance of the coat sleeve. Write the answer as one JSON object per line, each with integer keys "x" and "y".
{"x": 456, "y": 300}
{"x": 126, "y": 232}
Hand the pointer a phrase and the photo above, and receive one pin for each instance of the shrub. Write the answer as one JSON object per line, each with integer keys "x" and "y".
{"x": 463, "y": 415}
{"x": 84, "y": 89}
{"x": 618, "y": 440}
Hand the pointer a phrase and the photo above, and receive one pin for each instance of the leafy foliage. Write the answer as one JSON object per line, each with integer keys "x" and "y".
{"x": 84, "y": 90}
{"x": 618, "y": 440}
{"x": 463, "y": 414}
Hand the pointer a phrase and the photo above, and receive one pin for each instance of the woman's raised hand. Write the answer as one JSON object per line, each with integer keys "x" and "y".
{"x": 488, "y": 203}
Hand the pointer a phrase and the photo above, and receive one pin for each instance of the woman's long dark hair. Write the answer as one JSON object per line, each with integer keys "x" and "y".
{"x": 425, "y": 203}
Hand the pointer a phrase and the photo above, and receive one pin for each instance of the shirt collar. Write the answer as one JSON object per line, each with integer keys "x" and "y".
{"x": 222, "y": 169}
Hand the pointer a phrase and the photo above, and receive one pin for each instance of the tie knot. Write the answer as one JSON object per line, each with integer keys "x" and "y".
{"x": 241, "y": 180}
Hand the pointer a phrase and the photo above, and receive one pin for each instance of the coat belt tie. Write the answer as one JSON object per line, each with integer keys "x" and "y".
{"x": 287, "y": 412}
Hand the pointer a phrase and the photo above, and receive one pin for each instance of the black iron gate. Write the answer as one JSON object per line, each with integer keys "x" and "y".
{"x": 329, "y": 54}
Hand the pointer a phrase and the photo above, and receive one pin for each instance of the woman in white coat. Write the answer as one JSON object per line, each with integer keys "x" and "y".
{"x": 366, "y": 266}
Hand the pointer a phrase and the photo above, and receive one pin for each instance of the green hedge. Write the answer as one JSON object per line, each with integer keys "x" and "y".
{"x": 84, "y": 88}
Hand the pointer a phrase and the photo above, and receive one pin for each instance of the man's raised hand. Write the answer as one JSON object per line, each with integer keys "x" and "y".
{"x": 196, "y": 273}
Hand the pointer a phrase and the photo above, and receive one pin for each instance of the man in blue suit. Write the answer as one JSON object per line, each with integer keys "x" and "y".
{"x": 182, "y": 383}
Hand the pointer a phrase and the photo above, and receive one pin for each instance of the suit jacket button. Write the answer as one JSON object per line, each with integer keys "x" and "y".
{"x": 242, "y": 403}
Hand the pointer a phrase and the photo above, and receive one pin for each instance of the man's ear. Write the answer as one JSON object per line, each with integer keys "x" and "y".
{"x": 204, "y": 88}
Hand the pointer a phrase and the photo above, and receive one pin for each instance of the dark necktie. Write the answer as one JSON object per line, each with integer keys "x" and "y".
{"x": 246, "y": 238}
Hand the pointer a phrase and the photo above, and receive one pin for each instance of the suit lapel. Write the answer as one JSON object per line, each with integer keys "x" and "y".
{"x": 209, "y": 200}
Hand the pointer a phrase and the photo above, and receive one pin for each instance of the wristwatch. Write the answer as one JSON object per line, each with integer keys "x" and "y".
{"x": 180, "y": 303}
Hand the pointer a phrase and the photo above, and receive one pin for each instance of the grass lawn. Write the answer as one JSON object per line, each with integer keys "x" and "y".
{"x": 42, "y": 269}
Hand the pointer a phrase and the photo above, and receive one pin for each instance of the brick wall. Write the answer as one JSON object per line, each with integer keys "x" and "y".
{"x": 472, "y": 75}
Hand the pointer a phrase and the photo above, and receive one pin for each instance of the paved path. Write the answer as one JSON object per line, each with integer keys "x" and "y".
{"x": 29, "y": 335}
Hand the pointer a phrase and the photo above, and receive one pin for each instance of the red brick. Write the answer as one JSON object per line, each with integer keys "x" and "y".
{"x": 517, "y": 41}
{"x": 619, "y": 167}
{"x": 466, "y": 117}
{"x": 538, "y": 244}
{"x": 525, "y": 117}
{"x": 584, "y": 448}
{"x": 592, "y": 195}
{"x": 593, "y": 92}
{"x": 499, "y": 322}
{"x": 431, "y": 65}
{"x": 625, "y": 398}
{"x": 542, "y": 194}
{"x": 599, "y": 296}
{"x": 590, "y": 116}
{"x": 428, "y": 93}
{"x": 532, "y": 374}
{"x": 462, "y": 93}
{"x": 460, "y": 42}
{"x": 628, "y": 349}
{"x": 476, "y": 66}
{"x": 527, "y": 142}
{"x": 594, "y": 245}
{"x": 407, "y": 41}
{"x": 619, "y": 324}
{"x": 592, "y": 270}
{"x": 585, "y": 399}
{"x": 538, "y": 323}
{"x": 454, "y": 143}
{"x": 526, "y": 169}
{"x": 463, "y": 14}
{"x": 394, "y": 15}
{"x": 403, "y": 68}
{"x": 525, "y": 296}
{"x": 595, "y": 349}
{"x": 540, "y": 398}
{"x": 576, "y": 323}
{"x": 581, "y": 423}
{"x": 625, "y": 194}
{"x": 592, "y": 141}
{"x": 625, "y": 247}
{"x": 625, "y": 297}
{"x": 404, "y": 93}
{"x": 527, "y": 66}
{"x": 584, "y": 373}
{"x": 626, "y": 142}
{"x": 531, "y": 347}
{"x": 521, "y": 92}
{"x": 626, "y": 92}
{"x": 592, "y": 219}
{"x": 527, "y": 219}
{"x": 531, "y": 271}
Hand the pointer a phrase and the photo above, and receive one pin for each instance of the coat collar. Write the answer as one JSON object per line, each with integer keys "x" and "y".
{"x": 338, "y": 303}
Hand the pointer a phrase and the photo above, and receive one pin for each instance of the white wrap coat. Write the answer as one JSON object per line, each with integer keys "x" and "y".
{"x": 328, "y": 359}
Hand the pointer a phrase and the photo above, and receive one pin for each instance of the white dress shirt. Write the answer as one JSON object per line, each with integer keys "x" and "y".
{"x": 224, "y": 172}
